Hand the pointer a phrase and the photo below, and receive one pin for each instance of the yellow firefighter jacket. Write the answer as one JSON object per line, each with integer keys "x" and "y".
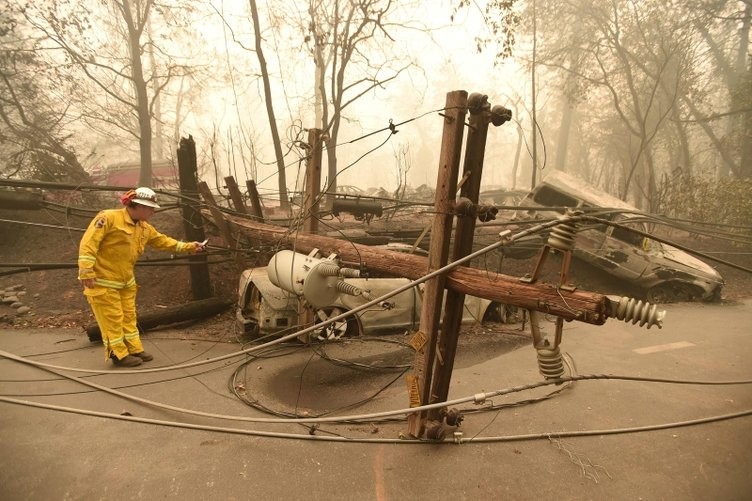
{"x": 113, "y": 242}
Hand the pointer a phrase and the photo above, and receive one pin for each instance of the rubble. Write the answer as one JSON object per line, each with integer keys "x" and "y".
{"x": 11, "y": 296}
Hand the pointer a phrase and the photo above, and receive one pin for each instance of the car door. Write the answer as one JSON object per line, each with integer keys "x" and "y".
{"x": 625, "y": 252}
{"x": 401, "y": 311}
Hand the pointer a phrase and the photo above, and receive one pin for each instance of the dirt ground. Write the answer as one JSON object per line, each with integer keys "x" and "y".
{"x": 54, "y": 296}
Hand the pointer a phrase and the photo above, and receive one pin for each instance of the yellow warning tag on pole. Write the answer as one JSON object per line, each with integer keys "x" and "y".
{"x": 418, "y": 341}
{"x": 413, "y": 393}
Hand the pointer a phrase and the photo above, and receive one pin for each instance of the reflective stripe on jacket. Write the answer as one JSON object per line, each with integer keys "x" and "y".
{"x": 113, "y": 242}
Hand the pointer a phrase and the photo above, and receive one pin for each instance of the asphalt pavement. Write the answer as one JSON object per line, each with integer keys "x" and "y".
{"x": 191, "y": 437}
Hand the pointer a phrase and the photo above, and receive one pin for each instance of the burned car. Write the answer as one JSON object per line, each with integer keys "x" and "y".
{"x": 664, "y": 273}
{"x": 269, "y": 303}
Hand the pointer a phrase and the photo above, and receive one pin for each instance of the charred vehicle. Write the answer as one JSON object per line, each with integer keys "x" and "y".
{"x": 272, "y": 298}
{"x": 664, "y": 273}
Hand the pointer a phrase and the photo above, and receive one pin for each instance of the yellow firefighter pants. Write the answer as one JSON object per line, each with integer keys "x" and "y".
{"x": 115, "y": 312}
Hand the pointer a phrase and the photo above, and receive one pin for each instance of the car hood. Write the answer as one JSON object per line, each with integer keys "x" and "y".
{"x": 690, "y": 262}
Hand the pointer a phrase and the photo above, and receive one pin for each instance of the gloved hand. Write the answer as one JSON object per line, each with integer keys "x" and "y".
{"x": 200, "y": 246}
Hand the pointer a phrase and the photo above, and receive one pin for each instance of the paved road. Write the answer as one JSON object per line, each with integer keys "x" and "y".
{"x": 49, "y": 454}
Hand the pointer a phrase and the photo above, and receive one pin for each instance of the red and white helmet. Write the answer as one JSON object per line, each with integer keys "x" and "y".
{"x": 145, "y": 196}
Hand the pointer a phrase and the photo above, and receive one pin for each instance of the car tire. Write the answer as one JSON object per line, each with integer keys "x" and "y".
{"x": 670, "y": 292}
{"x": 503, "y": 313}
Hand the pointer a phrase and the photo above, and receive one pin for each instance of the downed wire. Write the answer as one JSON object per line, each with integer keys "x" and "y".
{"x": 478, "y": 398}
{"x": 29, "y": 267}
{"x": 309, "y": 436}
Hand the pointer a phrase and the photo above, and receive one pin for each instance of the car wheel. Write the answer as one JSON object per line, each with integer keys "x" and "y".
{"x": 345, "y": 327}
{"x": 502, "y": 313}
{"x": 669, "y": 293}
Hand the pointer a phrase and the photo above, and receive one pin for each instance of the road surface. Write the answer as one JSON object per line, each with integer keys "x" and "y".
{"x": 507, "y": 452}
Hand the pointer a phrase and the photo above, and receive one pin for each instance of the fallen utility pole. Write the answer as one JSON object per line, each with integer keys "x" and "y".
{"x": 589, "y": 307}
{"x": 561, "y": 300}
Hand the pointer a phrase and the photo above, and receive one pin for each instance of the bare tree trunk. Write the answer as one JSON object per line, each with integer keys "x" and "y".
{"x": 745, "y": 164}
{"x": 685, "y": 157}
{"x": 564, "y": 130}
{"x": 516, "y": 164}
{"x": 158, "y": 149}
{"x": 732, "y": 72}
{"x": 744, "y": 79}
{"x": 283, "y": 199}
{"x": 650, "y": 189}
{"x": 728, "y": 164}
{"x": 142, "y": 96}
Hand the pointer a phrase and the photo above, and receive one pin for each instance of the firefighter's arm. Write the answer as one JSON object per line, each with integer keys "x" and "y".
{"x": 165, "y": 243}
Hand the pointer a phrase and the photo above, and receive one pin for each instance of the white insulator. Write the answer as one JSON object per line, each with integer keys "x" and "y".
{"x": 349, "y": 273}
{"x": 634, "y": 311}
{"x": 349, "y": 289}
{"x": 327, "y": 269}
{"x": 550, "y": 363}
{"x": 562, "y": 236}
{"x": 332, "y": 270}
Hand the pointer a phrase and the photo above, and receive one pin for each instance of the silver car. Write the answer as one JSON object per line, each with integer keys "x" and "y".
{"x": 265, "y": 309}
{"x": 665, "y": 273}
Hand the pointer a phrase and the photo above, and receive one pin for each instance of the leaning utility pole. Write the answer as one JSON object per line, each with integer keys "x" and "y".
{"x": 481, "y": 115}
{"x": 424, "y": 341}
{"x": 311, "y": 198}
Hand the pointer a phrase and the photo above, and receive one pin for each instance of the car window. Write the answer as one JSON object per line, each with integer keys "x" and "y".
{"x": 256, "y": 298}
{"x": 547, "y": 196}
{"x": 625, "y": 235}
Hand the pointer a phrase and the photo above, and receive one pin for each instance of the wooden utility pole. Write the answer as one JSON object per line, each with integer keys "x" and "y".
{"x": 253, "y": 195}
{"x": 311, "y": 199}
{"x": 193, "y": 222}
{"x": 235, "y": 195}
{"x": 480, "y": 116}
{"x": 424, "y": 341}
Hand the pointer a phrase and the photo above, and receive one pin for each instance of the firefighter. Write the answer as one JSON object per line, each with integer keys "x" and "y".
{"x": 107, "y": 254}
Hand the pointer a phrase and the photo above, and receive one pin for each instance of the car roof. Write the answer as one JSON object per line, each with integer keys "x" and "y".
{"x": 580, "y": 189}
